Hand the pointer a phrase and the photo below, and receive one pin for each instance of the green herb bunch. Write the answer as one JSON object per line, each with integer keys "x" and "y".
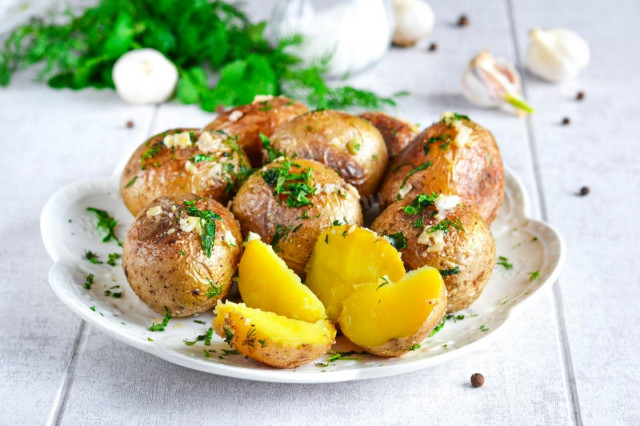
{"x": 79, "y": 51}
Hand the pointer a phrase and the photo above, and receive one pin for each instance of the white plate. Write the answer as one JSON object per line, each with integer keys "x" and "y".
{"x": 68, "y": 230}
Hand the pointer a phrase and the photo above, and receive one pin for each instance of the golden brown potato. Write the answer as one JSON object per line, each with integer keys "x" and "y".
{"x": 348, "y": 144}
{"x": 181, "y": 253}
{"x": 454, "y": 156}
{"x": 272, "y": 339}
{"x": 397, "y": 134}
{"x": 182, "y": 161}
{"x": 288, "y": 203}
{"x": 440, "y": 232}
{"x": 390, "y": 318}
{"x": 263, "y": 115}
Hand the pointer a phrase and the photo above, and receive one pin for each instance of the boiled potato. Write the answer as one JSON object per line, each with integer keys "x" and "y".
{"x": 181, "y": 253}
{"x": 348, "y": 144}
{"x": 265, "y": 282}
{"x": 346, "y": 255}
{"x": 272, "y": 339}
{"x": 439, "y": 231}
{"x": 397, "y": 133}
{"x": 263, "y": 115}
{"x": 183, "y": 161}
{"x": 288, "y": 203}
{"x": 455, "y": 156}
{"x": 388, "y": 318}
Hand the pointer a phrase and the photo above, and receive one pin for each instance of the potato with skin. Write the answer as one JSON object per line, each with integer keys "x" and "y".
{"x": 168, "y": 262}
{"x": 397, "y": 133}
{"x": 264, "y": 115}
{"x": 288, "y": 203}
{"x": 265, "y": 282}
{"x": 446, "y": 235}
{"x": 348, "y": 144}
{"x": 388, "y": 318}
{"x": 346, "y": 255}
{"x": 182, "y": 161}
{"x": 454, "y": 156}
{"x": 272, "y": 339}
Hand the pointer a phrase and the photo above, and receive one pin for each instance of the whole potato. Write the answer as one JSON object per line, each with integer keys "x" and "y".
{"x": 288, "y": 203}
{"x": 454, "y": 156}
{"x": 171, "y": 265}
{"x": 348, "y": 144}
{"x": 397, "y": 133}
{"x": 263, "y": 115}
{"x": 439, "y": 232}
{"x": 182, "y": 161}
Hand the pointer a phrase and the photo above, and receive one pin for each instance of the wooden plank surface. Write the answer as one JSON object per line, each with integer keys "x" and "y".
{"x": 567, "y": 358}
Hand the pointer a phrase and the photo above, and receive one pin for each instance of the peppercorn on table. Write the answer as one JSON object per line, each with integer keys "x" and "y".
{"x": 568, "y": 358}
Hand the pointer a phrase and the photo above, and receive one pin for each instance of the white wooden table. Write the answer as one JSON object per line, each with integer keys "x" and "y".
{"x": 571, "y": 357}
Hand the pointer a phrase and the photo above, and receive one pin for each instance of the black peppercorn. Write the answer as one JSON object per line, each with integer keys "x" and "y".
{"x": 566, "y": 121}
{"x": 129, "y": 124}
{"x": 433, "y": 47}
{"x": 584, "y": 191}
{"x": 580, "y": 96}
{"x": 477, "y": 380}
{"x": 463, "y": 21}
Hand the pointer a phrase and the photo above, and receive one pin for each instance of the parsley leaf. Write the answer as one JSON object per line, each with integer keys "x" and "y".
{"x": 164, "y": 323}
{"x": 106, "y": 223}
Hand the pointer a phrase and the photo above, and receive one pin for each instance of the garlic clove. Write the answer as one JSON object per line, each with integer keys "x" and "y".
{"x": 493, "y": 82}
{"x": 144, "y": 76}
{"x": 414, "y": 20}
{"x": 556, "y": 54}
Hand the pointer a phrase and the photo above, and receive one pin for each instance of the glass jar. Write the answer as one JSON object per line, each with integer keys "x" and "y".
{"x": 353, "y": 33}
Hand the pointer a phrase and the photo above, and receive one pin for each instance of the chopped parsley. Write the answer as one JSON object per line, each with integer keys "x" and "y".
{"x": 199, "y": 322}
{"x": 503, "y": 261}
{"x": 398, "y": 166}
{"x": 149, "y": 153}
{"x": 207, "y": 223}
{"x": 423, "y": 166}
{"x": 205, "y": 353}
{"x": 414, "y": 347}
{"x": 272, "y": 153}
{"x": 450, "y": 271}
{"x": 344, "y": 356}
{"x": 455, "y": 117}
{"x": 163, "y": 324}
{"x": 88, "y": 282}
{"x": 112, "y": 258}
{"x": 228, "y": 333}
{"x": 296, "y": 186}
{"x": 213, "y": 290}
{"x": 131, "y": 182}
{"x": 437, "y": 328}
{"x": 206, "y": 338}
{"x": 304, "y": 215}
{"x": 281, "y": 234}
{"x": 93, "y": 308}
{"x": 437, "y": 139}
{"x": 106, "y": 223}
{"x": 92, "y": 257}
{"x": 398, "y": 240}
{"x": 250, "y": 340}
{"x": 384, "y": 280}
{"x": 534, "y": 276}
{"x": 418, "y": 205}
{"x": 445, "y": 225}
{"x": 198, "y": 158}
{"x": 483, "y": 328}
{"x": 262, "y": 342}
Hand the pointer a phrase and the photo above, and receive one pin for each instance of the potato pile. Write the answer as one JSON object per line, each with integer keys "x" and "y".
{"x": 269, "y": 195}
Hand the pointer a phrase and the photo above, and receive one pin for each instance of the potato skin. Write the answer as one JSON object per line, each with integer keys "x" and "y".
{"x": 473, "y": 172}
{"x": 260, "y": 116}
{"x": 165, "y": 172}
{"x": 271, "y": 353}
{"x": 330, "y": 137}
{"x": 161, "y": 275}
{"x": 259, "y": 211}
{"x": 397, "y": 134}
{"x": 400, "y": 346}
{"x": 472, "y": 250}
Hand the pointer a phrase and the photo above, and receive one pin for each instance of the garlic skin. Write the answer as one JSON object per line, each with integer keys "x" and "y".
{"x": 493, "y": 82}
{"x": 144, "y": 76}
{"x": 414, "y": 20}
{"x": 556, "y": 54}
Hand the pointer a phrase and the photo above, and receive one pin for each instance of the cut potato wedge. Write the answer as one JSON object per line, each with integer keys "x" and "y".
{"x": 272, "y": 339}
{"x": 266, "y": 282}
{"x": 347, "y": 255}
{"x": 387, "y": 318}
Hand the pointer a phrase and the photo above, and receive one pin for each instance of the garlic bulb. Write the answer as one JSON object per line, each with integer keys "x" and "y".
{"x": 556, "y": 54}
{"x": 491, "y": 82}
{"x": 414, "y": 20}
{"x": 144, "y": 76}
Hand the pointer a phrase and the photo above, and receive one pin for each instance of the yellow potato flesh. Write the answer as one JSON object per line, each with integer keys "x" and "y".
{"x": 265, "y": 282}
{"x": 272, "y": 328}
{"x": 341, "y": 259}
{"x": 376, "y": 312}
